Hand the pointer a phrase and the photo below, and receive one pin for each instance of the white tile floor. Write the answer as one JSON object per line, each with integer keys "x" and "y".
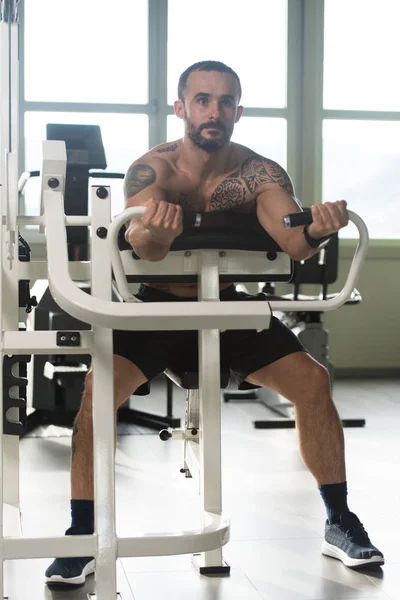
{"x": 276, "y": 514}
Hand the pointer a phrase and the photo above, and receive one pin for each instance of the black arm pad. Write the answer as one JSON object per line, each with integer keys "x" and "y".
{"x": 220, "y": 230}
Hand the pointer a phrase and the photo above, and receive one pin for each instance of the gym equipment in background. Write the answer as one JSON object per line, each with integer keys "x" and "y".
{"x": 58, "y": 379}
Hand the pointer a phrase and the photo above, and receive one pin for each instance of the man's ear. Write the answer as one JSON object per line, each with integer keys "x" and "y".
{"x": 239, "y": 113}
{"x": 179, "y": 109}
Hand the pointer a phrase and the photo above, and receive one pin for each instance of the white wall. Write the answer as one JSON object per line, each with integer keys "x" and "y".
{"x": 368, "y": 335}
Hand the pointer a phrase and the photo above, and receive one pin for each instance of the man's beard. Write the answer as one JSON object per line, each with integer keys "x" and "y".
{"x": 210, "y": 144}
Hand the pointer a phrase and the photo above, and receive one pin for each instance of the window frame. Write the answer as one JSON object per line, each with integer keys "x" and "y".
{"x": 31, "y": 106}
{"x": 304, "y": 112}
{"x": 315, "y": 50}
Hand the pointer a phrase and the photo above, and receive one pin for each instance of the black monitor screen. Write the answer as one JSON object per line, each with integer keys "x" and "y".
{"x": 83, "y": 142}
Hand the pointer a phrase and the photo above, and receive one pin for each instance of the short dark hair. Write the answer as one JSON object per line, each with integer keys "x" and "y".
{"x": 206, "y": 65}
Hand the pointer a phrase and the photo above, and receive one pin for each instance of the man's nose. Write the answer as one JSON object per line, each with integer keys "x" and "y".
{"x": 214, "y": 110}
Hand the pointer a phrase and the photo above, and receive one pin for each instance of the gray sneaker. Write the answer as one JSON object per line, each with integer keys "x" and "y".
{"x": 70, "y": 570}
{"x": 349, "y": 542}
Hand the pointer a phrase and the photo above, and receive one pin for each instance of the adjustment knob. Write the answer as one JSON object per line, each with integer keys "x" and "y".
{"x": 101, "y": 193}
{"x": 165, "y": 435}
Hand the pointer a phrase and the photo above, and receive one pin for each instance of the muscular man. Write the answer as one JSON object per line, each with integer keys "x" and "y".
{"x": 203, "y": 172}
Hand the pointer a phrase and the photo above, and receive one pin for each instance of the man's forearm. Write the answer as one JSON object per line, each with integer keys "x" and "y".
{"x": 298, "y": 247}
{"x": 146, "y": 246}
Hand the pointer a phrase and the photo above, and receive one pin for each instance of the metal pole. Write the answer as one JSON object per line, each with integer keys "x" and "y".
{"x": 103, "y": 409}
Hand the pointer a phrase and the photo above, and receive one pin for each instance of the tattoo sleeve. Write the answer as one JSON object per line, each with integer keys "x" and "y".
{"x": 257, "y": 170}
{"x": 137, "y": 179}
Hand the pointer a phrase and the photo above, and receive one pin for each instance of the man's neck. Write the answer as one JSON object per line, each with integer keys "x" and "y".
{"x": 202, "y": 164}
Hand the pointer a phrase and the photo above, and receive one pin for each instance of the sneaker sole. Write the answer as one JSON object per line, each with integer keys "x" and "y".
{"x": 87, "y": 570}
{"x": 335, "y": 552}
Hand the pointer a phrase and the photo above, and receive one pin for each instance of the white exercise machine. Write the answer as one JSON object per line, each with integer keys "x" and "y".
{"x": 202, "y": 432}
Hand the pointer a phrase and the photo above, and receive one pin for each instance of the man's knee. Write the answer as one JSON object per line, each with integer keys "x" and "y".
{"x": 318, "y": 379}
{"x": 304, "y": 380}
{"x": 127, "y": 378}
{"x": 313, "y": 385}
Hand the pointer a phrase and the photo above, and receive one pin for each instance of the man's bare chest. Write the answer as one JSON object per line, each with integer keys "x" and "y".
{"x": 226, "y": 193}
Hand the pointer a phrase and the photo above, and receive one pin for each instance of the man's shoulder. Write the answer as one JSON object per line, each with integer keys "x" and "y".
{"x": 166, "y": 148}
{"x": 157, "y": 158}
{"x": 248, "y": 156}
{"x": 164, "y": 154}
{"x": 258, "y": 171}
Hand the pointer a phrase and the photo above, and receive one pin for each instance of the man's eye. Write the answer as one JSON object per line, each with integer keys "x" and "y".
{"x": 203, "y": 100}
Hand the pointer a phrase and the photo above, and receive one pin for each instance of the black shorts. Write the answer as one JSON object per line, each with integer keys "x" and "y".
{"x": 242, "y": 351}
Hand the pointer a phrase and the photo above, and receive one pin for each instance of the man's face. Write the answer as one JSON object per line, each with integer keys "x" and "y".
{"x": 210, "y": 109}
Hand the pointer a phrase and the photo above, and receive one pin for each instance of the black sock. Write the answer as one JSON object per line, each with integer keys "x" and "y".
{"x": 334, "y": 496}
{"x": 82, "y": 517}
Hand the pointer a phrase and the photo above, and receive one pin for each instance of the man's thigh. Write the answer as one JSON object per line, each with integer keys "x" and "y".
{"x": 249, "y": 351}
{"x": 296, "y": 376}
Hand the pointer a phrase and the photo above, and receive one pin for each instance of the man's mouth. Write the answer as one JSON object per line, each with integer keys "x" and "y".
{"x": 213, "y": 126}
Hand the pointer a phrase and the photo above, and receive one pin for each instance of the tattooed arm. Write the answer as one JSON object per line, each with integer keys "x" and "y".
{"x": 275, "y": 199}
{"x": 152, "y": 234}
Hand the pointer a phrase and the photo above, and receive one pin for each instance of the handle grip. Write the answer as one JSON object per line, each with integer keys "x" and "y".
{"x": 296, "y": 219}
{"x": 190, "y": 219}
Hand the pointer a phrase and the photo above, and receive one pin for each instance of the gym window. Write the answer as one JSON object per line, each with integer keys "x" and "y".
{"x": 320, "y": 98}
{"x": 236, "y": 37}
{"x": 92, "y": 51}
{"x": 361, "y": 102}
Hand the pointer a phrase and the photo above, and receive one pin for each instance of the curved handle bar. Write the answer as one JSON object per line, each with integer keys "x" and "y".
{"x": 112, "y": 239}
{"x": 283, "y": 305}
{"x": 155, "y": 316}
{"x": 190, "y": 219}
{"x": 352, "y": 277}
